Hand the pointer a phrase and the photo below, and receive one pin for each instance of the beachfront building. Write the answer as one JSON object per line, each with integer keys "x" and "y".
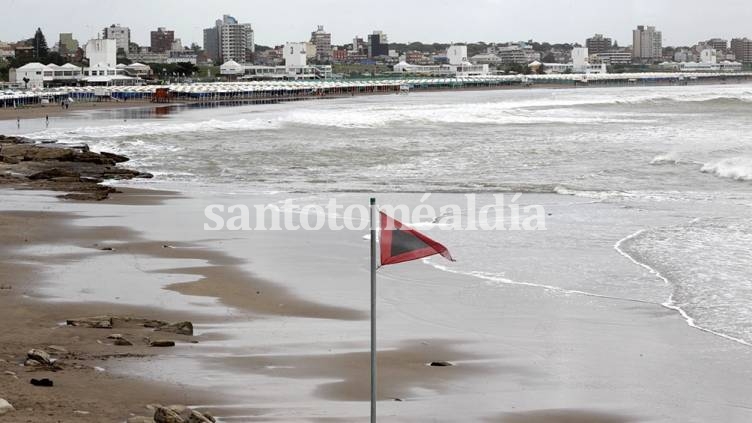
{"x": 615, "y": 57}
{"x": 121, "y": 35}
{"x": 36, "y": 75}
{"x": 296, "y": 67}
{"x": 322, "y": 41}
{"x": 485, "y": 59}
{"x": 580, "y": 64}
{"x": 229, "y": 40}
{"x": 647, "y": 44}
{"x": 102, "y": 69}
{"x": 708, "y": 62}
{"x": 458, "y": 65}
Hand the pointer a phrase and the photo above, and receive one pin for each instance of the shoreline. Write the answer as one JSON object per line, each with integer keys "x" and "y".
{"x": 84, "y": 390}
{"x": 37, "y": 111}
{"x": 281, "y": 321}
{"x": 296, "y": 344}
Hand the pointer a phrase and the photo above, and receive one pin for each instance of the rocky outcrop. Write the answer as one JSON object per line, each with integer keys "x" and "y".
{"x": 101, "y": 322}
{"x": 182, "y": 328}
{"x": 180, "y": 414}
{"x": 61, "y": 167}
{"x": 40, "y": 356}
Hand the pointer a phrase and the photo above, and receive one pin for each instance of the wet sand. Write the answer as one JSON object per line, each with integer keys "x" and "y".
{"x": 282, "y": 328}
{"x": 54, "y": 110}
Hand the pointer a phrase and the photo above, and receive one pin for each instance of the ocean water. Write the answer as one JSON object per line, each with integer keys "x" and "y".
{"x": 655, "y": 180}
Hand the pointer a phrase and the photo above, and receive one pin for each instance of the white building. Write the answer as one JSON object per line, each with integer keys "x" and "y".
{"x": 486, "y": 58}
{"x": 101, "y": 52}
{"x": 103, "y": 69}
{"x": 121, "y": 35}
{"x": 615, "y": 57}
{"x": 295, "y": 54}
{"x": 30, "y": 75}
{"x": 296, "y": 66}
{"x": 580, "y": 64}
{"x": 40, "y": 75}
{"x": 456, "y": 54}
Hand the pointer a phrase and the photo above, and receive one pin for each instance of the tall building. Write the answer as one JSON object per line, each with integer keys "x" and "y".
{"x": 742, "y": 48}
{"x": 717, "y": 44}
{"x": 121, "y": 35}
{"x": 647, "y": 44}
{"x": 161, "y": 40}
{"x": 323, "y": 42}
{"x": 598, "y": 44}
{"x": 68, "y": 45}
{"x": 229, "y": 40}
{"x": 378, "y": 45}
{"x": 211, "y": 44}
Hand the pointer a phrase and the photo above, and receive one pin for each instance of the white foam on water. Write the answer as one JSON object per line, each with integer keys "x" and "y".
{"x": 136, "y": 128}
{"x": 498, "y": 280}
{"x": 670, "y": 303}
{"x": 737, "y": 168}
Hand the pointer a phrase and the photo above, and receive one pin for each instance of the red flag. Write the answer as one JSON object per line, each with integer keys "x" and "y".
{"x": 400, "y": 243}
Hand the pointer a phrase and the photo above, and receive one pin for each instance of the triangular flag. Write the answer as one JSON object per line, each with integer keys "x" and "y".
{"x": 400, "y": 243}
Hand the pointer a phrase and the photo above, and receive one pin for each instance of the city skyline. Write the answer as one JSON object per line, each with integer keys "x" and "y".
{"x": 418, "y": 21}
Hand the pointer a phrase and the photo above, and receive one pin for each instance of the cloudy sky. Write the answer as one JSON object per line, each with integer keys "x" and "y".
{"x": 683, "y": 22}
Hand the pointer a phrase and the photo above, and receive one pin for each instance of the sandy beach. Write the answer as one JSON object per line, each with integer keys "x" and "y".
{"x": 575, "y": 327}
{"x": 54, "y": 110}
{"x": 303, "y": 346}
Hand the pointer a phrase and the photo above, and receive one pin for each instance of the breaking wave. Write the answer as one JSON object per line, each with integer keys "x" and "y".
{"x": 737, "y": 168}
{"x": 139, "y": 129}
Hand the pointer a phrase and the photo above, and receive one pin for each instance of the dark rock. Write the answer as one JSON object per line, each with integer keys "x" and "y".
{"x": 55, "y": 173}
{"x": 196, "y": 417}
{"x": 440, "y": 364}
{"x": 154, "y": 323}
{"x": 39, "y": 356}
{"x": 41, "y": 382}
{"x": 102, "y": 322}
{"x": 182, "y": 328}
{"x": 167, "y": 415}
{"x": 123, "y": 342}
{"x": 117, "y": 158}
{"x": 162, "y": 343}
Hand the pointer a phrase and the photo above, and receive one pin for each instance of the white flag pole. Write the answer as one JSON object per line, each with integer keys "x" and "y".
{"x": 373, "y": 309}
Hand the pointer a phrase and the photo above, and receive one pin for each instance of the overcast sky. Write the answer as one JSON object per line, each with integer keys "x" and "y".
{"x": 683, "y": 22}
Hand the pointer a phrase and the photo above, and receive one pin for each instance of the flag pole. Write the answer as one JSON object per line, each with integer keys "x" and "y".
{"x": 373, "y": 310}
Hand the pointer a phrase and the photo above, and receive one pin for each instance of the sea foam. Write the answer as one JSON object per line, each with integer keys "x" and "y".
{"x": 738, "y": 168}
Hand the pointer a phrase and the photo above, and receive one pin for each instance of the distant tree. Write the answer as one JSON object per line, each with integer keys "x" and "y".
{"x": 549, "y": 58}
{"x": 186, "y": 68}
{"x": 40, "y": 46}
{"x": 56, "y": 58}
{"x": 133, "y": 47}
{"x": 26, "y": 81}
{"x": 196, "y": 48}
{"x": 616, "y": 44}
